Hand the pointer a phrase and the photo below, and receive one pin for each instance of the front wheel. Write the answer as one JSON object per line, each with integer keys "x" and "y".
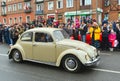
{"x": 72, "y": 63}
{"x": 17, "y": 57}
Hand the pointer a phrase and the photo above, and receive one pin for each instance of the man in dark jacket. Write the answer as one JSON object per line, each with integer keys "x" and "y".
{"x": 105, "y": 33}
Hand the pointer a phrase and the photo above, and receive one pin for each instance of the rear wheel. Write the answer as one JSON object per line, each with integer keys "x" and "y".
{"x": 71, "y": 63}
{"x": 17, "y": 57}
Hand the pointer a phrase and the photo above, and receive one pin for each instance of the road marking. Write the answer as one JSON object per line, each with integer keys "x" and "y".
{"x": 5, "y": 55}
{"x": 96, "y": 69}
{"x": 106, "y": 70}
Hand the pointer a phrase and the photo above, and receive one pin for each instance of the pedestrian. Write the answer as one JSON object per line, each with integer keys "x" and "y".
{"x": 83, "y": 30}
{"x": 10, "y": 35}
{"x": 69, "y": 30}
{"x": 114, "y": 26}
{"x": 7, "y": 34}
{"x": 111, "y": 38}
{"x": 15, "y": 34}
{"x": 105, "y": 33}
{"x": 75, "y": 33}
{"x": 95, "y": 32}
{"x": 118, "y": 35}
{"x": 88, "y": 38}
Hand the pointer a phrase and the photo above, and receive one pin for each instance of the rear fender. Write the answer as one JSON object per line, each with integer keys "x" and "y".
{"x": 16, "y": 47}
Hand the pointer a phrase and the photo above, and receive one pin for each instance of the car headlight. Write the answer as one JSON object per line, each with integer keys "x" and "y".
{"x": 87, "y": 57}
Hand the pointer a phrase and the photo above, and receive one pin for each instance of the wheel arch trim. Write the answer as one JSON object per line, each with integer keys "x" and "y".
{"x": 19, "y": 48}
{"x": 78, "y": 53}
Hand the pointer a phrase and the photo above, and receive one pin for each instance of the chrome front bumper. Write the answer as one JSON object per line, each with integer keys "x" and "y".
{"x": 95, "y": 62}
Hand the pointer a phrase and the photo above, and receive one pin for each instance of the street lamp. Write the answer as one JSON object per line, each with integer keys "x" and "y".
{"x": 76, "y": 8}
{"x": 97, "y": 11}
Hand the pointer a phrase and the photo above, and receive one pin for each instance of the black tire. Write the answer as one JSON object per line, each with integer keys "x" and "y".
{"x": 16, "y": 56}
{"x": 72, "y": 64}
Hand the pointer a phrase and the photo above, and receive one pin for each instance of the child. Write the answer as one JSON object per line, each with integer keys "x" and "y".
{"x": 111, "y": 37}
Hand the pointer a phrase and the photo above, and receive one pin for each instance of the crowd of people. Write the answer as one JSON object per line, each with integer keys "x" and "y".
{"x": 105, "y": 36}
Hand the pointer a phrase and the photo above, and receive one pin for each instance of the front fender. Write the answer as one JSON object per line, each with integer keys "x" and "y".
{"x": 16, "y": 47}
{"x": 78, "y": 53}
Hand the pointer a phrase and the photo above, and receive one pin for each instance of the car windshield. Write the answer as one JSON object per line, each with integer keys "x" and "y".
{"x": 60, "y": 35}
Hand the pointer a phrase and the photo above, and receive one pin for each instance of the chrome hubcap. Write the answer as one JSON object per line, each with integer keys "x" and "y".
{"x": 71, "y": 64}
{"x": 16, "y": 56}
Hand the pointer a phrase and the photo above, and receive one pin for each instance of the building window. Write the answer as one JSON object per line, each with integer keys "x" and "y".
{"x": 4, "y": 11}
{"x": 4, "y": 21}
{"x": 69, "y": 3}
{"x": 106, "y": 2}
{"x": 9, "y": 0}
{"x": 28, "y": 19}
{"x": 106, "y": 16}
{"x": 20, "y": 19}
{"x": 27, "y": 6}
{"x": 39, "y": 7}
{"x": 19, "y": 6}
{"x": 4, "y": 0}
{"x": 118, "y": 2}
{"x": 50, "y": 5}
{"x": 59, "y": 3}
{"x": 15, "y": 20}
{"x": 14, "y": 7}
{"x": 9, "y": 8}
{"x": 10, "y": 21}
{"x": 85, "y": 2}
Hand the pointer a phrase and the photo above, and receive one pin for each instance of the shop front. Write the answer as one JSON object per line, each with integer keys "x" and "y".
{"x": 83, "y": 14}
{"x": 77, "y": 14}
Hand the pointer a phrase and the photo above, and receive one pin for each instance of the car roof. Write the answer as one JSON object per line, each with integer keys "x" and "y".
{"x": 45, "y": 29}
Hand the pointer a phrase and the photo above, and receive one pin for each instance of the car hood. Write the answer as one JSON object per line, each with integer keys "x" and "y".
{"x": 80, "y": 45}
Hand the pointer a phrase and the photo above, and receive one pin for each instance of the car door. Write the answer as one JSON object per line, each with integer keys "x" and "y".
{"x": 26, "y": 44}
{"x": 43, "y": 50}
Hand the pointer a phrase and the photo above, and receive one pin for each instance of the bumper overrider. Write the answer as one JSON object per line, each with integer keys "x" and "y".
{"x": 93, "y": 62}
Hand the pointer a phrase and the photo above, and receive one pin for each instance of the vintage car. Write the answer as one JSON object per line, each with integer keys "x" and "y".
{"x": 52, "y": 46}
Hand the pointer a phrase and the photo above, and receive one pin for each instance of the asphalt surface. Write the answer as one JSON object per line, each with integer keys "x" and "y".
{"x": 108, "y": 70}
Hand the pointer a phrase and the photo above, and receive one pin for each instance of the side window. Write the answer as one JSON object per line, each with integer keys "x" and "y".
{"x": 43, "y": 37}
{"x": 49, "y": 38}
{"x": 27, "y": 36}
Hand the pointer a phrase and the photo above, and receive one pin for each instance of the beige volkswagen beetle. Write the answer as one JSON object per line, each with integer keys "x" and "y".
{"x": 52, "y": 46}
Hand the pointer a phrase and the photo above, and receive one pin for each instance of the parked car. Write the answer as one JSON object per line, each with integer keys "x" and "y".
{"x": 52, "y": 46}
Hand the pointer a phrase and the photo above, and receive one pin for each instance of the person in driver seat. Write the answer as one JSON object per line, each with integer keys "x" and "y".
{"x": 43, "y": 38}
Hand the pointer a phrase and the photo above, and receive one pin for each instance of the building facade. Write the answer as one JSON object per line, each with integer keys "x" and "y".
{"x": 17, "y": 11}
{"x": 71, "y": 9}
{"x": 111, "y": 10}
{"x": 25, "y": 11}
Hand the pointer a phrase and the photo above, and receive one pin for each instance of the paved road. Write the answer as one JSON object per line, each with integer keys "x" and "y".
{"x": 3, "y": 48}
{"x": 108, "y": 70}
